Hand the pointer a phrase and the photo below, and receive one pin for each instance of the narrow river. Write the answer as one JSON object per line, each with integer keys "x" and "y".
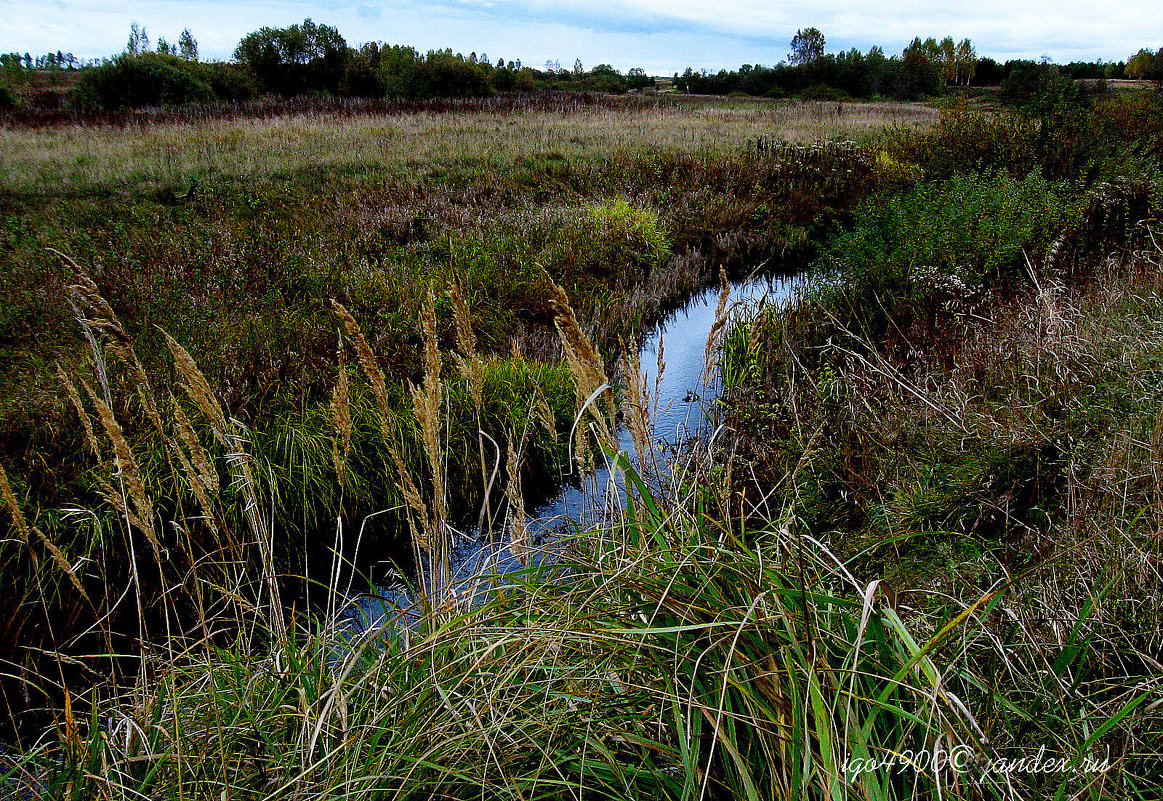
{"x": 680, "y": 399}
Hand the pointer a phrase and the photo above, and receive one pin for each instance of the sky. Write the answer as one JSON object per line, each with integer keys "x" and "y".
{"x": 660, "y": 36}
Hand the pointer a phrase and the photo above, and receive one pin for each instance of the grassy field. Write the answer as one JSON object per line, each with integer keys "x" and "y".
{"x": 79, "y": 159}
{"x": 918, "y": 537}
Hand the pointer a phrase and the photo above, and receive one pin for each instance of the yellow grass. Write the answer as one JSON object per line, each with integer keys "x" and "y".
{"x": 78, "y": 157}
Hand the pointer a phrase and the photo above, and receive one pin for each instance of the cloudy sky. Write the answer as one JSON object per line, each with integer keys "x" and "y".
{"x": 662, "y": 36}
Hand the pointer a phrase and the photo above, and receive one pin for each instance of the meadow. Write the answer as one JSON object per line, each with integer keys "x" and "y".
{"x": 241, "y": 354}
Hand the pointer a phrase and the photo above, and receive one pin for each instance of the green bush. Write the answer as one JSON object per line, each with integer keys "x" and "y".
{"x": 911, "y": 256}
{"x": 7, "y": 98}
{"x": 230, "y": 82}
{"x": 149, "y": 79}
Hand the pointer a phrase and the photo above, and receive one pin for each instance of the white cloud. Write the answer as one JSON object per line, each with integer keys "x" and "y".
{"x": 661, "y": 35}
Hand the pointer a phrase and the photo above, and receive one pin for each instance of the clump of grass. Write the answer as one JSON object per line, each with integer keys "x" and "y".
{"x": 996, "y": 459}
{"x": 672, "y": 654}
{"x": 702, "y": 667}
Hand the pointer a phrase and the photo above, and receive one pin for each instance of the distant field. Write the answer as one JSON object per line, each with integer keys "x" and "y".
{"x": 75, "y": 157}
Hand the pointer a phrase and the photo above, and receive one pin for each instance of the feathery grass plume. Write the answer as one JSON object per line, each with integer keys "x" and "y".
{"x": 18, "y": 520}
{"x": 426, "y": 401}
{"x": 341, "y": 418}
{"x": 469, "y": 362}
{"x": 140, "y": 511}
{"x": 588, "y": 373}
{"x": 542, "y": 410}
{"x": 75, "y": 399}
{"x": 659, "y": 369}
{"x": 198, "y": 388}
{"x": 235, "y": 442}
{"x": 24, "y": 530}
{"x": 206, "y": 475}
{"x": 367, "y": 360}
{"x": 518, "y": 536}
{"x": 720, "y": 321}
{"x": 637, "y": 410}
{"x": 412, "y": 496}
{"x": 243, "y": 480}
{"x": 200, "y": 476}
{"x": 95, "y": 313}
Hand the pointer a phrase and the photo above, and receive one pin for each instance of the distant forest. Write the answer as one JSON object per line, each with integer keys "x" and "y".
{"x": 312, "y": 59}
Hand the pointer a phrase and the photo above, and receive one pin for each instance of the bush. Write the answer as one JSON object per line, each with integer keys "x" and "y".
{"x": 231, "y": 82}
{"x": 7, "y": 98}
{"x": 908, "y": 258}
{"x": 149, "y": 79}
{"x": 824, "y": 93}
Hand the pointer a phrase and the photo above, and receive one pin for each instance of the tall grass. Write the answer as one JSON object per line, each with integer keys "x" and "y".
{"x": 1017, "y": 453}
{"x": 83, "y": 157}
{"x": 675, "y": 653}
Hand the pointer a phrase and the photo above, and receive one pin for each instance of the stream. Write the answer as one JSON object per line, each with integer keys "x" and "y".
{"x": 679, "y": 399}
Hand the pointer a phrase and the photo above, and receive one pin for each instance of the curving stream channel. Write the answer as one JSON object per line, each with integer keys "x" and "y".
{"x": 679, "y": 397}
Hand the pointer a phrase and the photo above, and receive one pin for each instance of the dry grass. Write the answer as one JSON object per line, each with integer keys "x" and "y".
{"x": 60, "y": 159}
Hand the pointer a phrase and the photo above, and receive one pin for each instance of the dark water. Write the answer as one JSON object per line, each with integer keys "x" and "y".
{"x": 680, "y": 398}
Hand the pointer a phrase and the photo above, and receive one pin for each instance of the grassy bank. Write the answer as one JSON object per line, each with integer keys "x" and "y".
{"x": 925, "y": 539}
{"x": 233, "y": 236}
{"x": 964, "y": 396}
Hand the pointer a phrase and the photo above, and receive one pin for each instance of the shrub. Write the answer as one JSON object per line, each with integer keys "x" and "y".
{"x": 824, "y": 93}
{"x": 629, "y": 234}
{"x": 231, "y": 82}
{"x": 149, "y": 79}
{"x": 906, "y": 258}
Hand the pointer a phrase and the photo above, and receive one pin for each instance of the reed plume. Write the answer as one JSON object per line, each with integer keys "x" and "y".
{"x": 714, "y": 335}
{"x": 518, "y": 535}
{"x": 371, "y": 368}
{"x": 341, "y": 419}
{"x": 75, "y": 399}
{"x": 140, "y": 511}
{"x": 24, "y": 530}
{"x": 427, "y": 400}
{"x": 637, "y": 410}
{"x": 468, "y": 363}
{"x": 589, "y": 375}
{"x": 198, "y": 388}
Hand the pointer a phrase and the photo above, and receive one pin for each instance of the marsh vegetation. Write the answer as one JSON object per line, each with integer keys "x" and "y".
{"x": 247, "y": 358}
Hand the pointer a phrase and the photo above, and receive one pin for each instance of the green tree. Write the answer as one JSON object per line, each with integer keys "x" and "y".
{"x": 295, "y": 59}
{"x": 966, "y": 62}
{"x": 1146, "y": 64}
{"x": 187, "y": 46}
{"x": 636, "y": 78}
{"x": 138, "y": 40}
{"x": 807, "y": 47}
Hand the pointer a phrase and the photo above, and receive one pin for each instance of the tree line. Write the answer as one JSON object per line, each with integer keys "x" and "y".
{"x": 309, "y": 58}
{"x": 926, "y": 67}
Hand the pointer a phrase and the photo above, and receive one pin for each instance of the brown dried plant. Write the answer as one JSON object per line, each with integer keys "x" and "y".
{"x": 24, "y": 530}
{"x": 427, "y": 401}
{"x": 371, "y": 368}
{"x": 341, "y": 419}
{"x": 714, "y": 335}
{"x": 636, "y": 410}
{"x": 139, "y": 512}
{"x": 518, "y": 536}
{"x": 592, "y": 384}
